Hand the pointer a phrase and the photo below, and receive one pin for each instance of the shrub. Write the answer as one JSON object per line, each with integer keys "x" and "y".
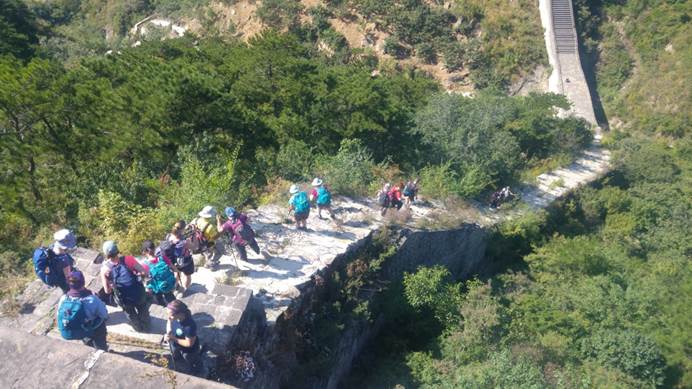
{"x": 629, "y": 351}
{"x": 349, "y": 171}
{"x": 431, "y": 288}
{"x": 426, "y": 52}
{"x": 438, "y": 181}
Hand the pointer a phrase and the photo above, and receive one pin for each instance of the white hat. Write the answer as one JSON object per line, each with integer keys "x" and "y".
{"x": 316, "y": 182}
{"x": 207, "y": 211}
{"x": 294, "y": 189}
{"x": 64, "y": 239}
{"x": 387, "y": 185}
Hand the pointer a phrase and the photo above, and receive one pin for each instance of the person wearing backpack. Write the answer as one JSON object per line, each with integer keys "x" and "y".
{"x": 300, "y": 205}
{"x": 239, "y": 230}
{"x": 53, "y": 264}
{"x": 383, "y": 198}
{"x": 213, "y": 247}
{"x": 82, "y": 315}
{"x": 321, "y": 196}
{"x": 162, "y": 282}
{"x": 121, "y": 276}
{"x": 395, "y": 196}
{"x": 183, "y": 257}
{"x": 181, "y": 335}
{"x": 410, "y": 191}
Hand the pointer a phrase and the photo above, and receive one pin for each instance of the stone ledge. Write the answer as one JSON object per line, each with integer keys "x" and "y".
{"x": 70, "y": 365}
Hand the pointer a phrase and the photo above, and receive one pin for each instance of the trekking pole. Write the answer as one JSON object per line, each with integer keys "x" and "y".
{"x": 170, "y": 348}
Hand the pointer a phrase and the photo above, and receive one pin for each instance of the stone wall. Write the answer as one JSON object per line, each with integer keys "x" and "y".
{"x": 567, "y": 78}
{"x": 32, "y": 361}
{"x": 461, "y": 250}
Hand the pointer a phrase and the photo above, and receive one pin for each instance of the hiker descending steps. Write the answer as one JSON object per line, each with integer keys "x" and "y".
{"x": 53, "y": 264}
{"x": 300, "y": 206}
{"x": 240, "y": 232}
{"x": 157, "y": 264}
{"x": 120, "y": 276}
{"x": 322, "y": 198}
{"x": 181, "y": 335}
{"x": 184, "y": 263}
{"x": 205, "y": 237}
{"x": 82, "y": 315}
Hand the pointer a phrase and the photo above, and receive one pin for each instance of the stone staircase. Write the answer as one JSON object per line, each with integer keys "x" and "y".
{"x": 563, "y": 23}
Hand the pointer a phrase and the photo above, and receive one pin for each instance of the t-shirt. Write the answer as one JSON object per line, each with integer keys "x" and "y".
{"x": 232, "y": 226}
{"x": 186, "y": 328}
{"x": 313, "y": 194}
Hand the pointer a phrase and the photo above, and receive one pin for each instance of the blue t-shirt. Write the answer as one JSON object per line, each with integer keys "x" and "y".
{"x": 186, "y": 328}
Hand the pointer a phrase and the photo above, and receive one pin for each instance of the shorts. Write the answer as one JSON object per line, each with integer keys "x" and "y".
{"x": 323, "y": 207}
{"x": 188, "y": 269}
{"x": 301, "y": 216}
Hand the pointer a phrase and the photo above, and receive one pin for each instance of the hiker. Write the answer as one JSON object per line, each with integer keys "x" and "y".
{"x": 383, "y": 198}
{"x": 184, "y": 263}
{"x": 82, "y": 315}
{"x": 181, "y": 335}
{"x": 300, "y": 205}
{"x": 506, "y": 194}
{"x": 120, "y": 275}
{"x": 395, "y": 196}
{"x": 211, "y": 247}
{"x": 410, "y": 191}
{"x": 53, "y": 264}
{"x": 162, "y": 282}
{"x": 322, "y": 197}
{"x": 240, "y": 232}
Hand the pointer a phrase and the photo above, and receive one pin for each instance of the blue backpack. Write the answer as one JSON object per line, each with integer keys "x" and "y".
{"x": 301, "y": 204}
{"x": 71, "y": 319}
{"x": 324, "y": 197}
{"x": 162, "y": 278}
{"x": 43, "y": 259}
{"x": 127, "y": 288}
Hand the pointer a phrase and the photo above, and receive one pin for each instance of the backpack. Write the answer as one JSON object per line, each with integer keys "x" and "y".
{"x": 382, "y": 198}
{"x": 408, "y": 190}
{"x": 42, "y": 259}
{"x": 324, "y": 197}
{"x": 71, "y": 318}
{"x": 245, "y": 232}
{"x": 301, "y": 203}
{"x": 162, "y": 278}
{"x": 198, "y": 242}
{"x": 127, "y": 287}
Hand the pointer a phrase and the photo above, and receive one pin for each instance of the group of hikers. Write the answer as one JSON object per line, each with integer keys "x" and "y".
{"x": 133, "y": 284}
{"x": 397, "y": 195}
{"x": 126, "y": 282}
{"x": 166, "y": 269}
{"x": 163, "y": 270}
{"x": 501, "y": 196}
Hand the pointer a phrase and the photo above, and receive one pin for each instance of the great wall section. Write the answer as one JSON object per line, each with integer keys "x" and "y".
{"x": 260, "y": 305}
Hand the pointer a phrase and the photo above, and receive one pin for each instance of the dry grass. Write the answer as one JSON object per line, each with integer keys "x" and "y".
{"x": 455, "y": 213}
{"x": 13, "y": 286}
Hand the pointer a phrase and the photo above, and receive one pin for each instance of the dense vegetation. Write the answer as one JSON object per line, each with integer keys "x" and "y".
{"x": 593, "y": 293}
{"x": 106, "y": 144}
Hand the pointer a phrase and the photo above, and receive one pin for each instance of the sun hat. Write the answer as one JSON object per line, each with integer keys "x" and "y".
{"x": 207, "y": 211}
{"x": 75, "y": 280}
{"x": 294, "y": 189}
{"x": 110, "y": 248}
{"x": 64, "y": 239}
{"x": 316, "y": 182}
{"x": 387, "y": 186}
{"x": 230, "y": 211}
